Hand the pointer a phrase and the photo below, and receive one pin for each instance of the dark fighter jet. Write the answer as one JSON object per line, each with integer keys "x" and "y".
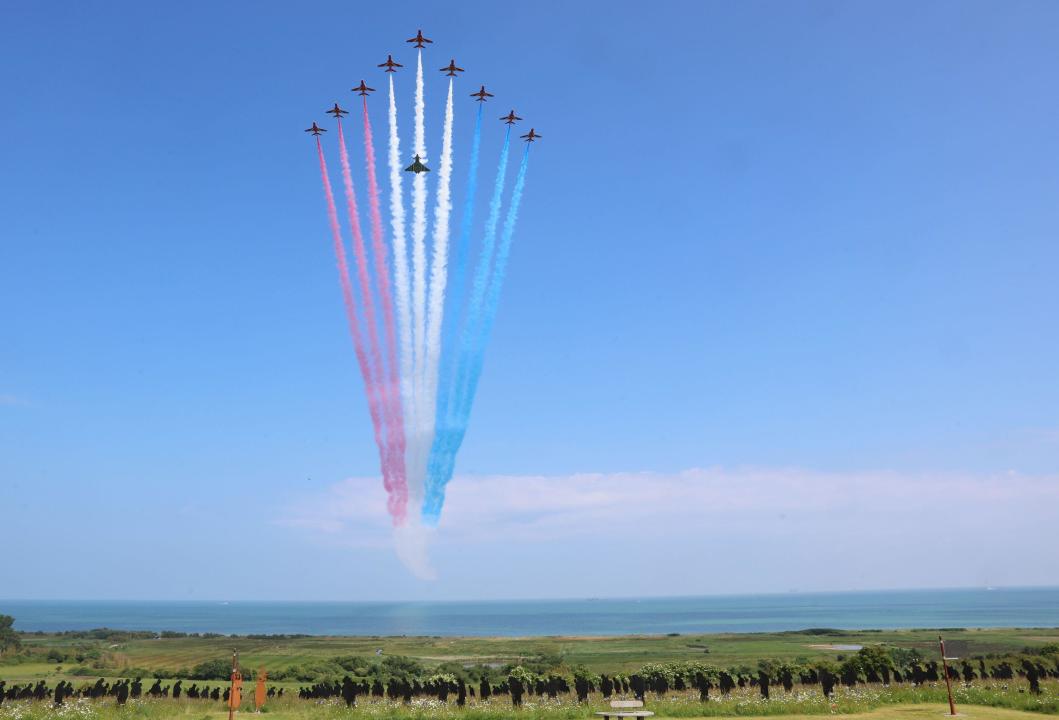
{"x": 531, "y": 135}
{"x": 511, "y": 118}
{"x": 417, "y": 167}
{"x": 315, "y": 130}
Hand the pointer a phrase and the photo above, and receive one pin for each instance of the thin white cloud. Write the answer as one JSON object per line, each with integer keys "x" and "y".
{"x": 542, "y": 509}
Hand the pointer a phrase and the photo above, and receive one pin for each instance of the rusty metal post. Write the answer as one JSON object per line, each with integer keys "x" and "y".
{"x": 234, "y": 692}
{"x": 945, "y": 669}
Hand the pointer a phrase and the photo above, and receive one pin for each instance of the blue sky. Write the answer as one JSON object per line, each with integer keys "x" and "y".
{"x": 761, "y": 240}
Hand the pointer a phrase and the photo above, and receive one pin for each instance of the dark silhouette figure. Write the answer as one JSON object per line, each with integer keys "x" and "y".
{"x": 176, "y": 689}
{"x": 581, "y": 688}
{"x": 349, "y": 691}
{"x": 1033, "y": 675}
{"x": 827, "y": 682}
{"x": 515, "y": 686}
{"x": 484, "y": 689}
{"x": 763, "y": 680}
{"x": 639, "y": 687}
{"x": 123, "y": 692}
{"x": 787, "y": 678}
{"x": 702, "y": 684}
{"x": 606, "y": 686}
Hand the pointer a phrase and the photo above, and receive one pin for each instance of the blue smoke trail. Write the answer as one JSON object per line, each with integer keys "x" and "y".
{"x": 450, "y": 439}
{"x": 478, "y": 334}
{"x": 446, "y": 387}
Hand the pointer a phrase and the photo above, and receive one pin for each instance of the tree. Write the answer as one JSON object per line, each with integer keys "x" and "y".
{"x": 211, "y": 670}
{"x": 876, "y": 662}
{"x": 849, "y": 671}
{"x": 702, "y": 679}
{"x": 401, "y": 666}
{"x": 785, "y": 673}
{"x": 8, "y": 637}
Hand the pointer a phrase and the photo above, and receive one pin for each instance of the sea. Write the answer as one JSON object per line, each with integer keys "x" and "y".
{"x": 1001, "y": 607}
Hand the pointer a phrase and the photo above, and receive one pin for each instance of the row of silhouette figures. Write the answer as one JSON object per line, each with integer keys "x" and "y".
{"x": 121, "y": 690}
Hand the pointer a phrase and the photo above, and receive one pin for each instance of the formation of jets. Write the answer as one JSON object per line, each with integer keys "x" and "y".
{"x": 450, "y": 70}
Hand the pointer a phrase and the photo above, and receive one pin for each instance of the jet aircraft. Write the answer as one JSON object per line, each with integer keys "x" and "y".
{"x": 363, "y": 89}
{"x": 531, "y": 135}
{"x": 451, "y": 70}
{"x": 419, "y": 39}
{"x": 510, "y": 118}
{"x": 315, "y": 130}
{"x": 417, "y": 167}
{"x": 481, "y": 94}
{"x": 390, "y": 64}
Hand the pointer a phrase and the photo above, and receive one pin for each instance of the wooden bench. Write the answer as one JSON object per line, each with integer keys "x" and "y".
{"x": 619, "y": 709}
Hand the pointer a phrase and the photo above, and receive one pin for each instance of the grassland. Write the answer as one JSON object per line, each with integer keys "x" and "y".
{"x": 598, "y": 654}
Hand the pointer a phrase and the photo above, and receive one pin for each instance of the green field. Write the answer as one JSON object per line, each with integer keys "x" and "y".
{"x": 598, "y": 654}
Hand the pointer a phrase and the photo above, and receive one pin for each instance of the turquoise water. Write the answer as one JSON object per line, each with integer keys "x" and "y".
{"x": 1027, "y": 607}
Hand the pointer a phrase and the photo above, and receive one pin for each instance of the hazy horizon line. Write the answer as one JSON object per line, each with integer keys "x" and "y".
{"x": 601, "y": 598}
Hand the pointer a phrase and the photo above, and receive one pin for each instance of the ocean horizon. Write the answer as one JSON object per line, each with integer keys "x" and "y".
{"x": 850, "y": 610}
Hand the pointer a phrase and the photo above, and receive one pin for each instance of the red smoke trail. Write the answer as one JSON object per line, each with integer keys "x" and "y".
{"x": 382, "y": 274}
{"x": 397, "y": 497}
{"x": 394, "y": 454}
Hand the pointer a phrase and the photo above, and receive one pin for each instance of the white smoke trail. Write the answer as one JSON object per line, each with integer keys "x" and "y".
{"x": 400, "y": 271}
{"x": 418, "y": 442}
{"x": 438, "y": 273}
{"x": 411, "y": 541}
